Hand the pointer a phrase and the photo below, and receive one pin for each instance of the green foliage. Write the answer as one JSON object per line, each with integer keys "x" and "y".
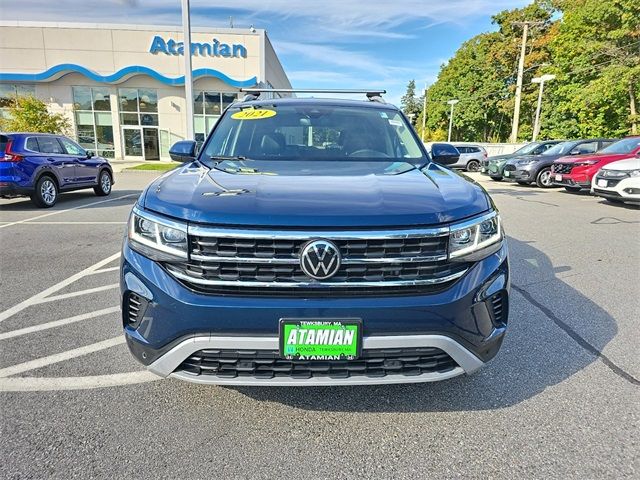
{"x": 28, "y": 114}
{"x": 592, "y": 46}
{"x": 410, "y": 104}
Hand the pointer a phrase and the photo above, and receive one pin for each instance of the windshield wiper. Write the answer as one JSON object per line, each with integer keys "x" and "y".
{"x": 224, "y": 158}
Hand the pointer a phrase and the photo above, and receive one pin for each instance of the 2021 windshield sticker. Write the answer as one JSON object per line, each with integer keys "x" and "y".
{"x": 254, "y": 114}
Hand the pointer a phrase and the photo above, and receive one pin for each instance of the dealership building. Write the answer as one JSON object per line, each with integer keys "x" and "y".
{"x": 122, "y": 86}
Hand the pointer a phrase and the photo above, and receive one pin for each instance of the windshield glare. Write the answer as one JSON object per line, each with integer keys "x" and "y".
{"x": 559, "y": 149}
{"x": 530, "y": 147}
{"x": 310, "y": 132}
{"x": 626, "y": 145}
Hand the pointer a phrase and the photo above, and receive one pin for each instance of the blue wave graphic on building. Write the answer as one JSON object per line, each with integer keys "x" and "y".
{"x": 121, "y": 75}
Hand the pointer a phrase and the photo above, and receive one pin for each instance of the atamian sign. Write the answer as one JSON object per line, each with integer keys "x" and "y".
{"x": 213, "y": 49}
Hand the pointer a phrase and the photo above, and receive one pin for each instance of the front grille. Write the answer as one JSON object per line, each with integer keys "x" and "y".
{"x": 258, "y": 263}
{"x": 610, "y": 193}
{"x": 267, "y": 364}
{"x": 510, "y": 168}
{"x": 562, "y": 167}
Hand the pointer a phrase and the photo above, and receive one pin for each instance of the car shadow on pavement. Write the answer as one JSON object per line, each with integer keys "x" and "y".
{"x": 540, "y": 351}
{"x": 69, "y": 200}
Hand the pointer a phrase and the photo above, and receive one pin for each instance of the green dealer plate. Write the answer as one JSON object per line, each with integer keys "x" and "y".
{"x": 320, "y": 339}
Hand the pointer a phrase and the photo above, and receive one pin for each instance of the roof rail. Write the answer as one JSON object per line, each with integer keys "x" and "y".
{"x": 254, "y": 93}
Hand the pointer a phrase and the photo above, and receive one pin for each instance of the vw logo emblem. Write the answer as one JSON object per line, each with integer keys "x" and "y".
{"x": 320, "y": 259}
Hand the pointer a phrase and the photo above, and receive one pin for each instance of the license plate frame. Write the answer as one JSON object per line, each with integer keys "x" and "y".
{"x": 320, "y": 351}
{"x": 558, "y": 177}
{"x": 506, "y": 173}
{"x": 602, "y": 183}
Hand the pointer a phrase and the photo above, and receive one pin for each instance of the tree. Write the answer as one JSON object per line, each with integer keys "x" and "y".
{"x": 597, "y": 62}
{"x": 410, "y": 104}
{"x": 28, "y": 114}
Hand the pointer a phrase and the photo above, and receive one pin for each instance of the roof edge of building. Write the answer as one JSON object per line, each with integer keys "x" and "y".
{"x": 128, "y": 26}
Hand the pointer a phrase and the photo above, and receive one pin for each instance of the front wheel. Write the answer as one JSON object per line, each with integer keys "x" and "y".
{"x": 544, "y": 179}
{"x": 104, "y": 184}
{"x": 573, "y": 189}
{"x": 473, "y": 166}
{"x": 46, "y": 194}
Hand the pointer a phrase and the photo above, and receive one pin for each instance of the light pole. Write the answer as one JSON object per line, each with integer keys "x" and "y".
{"x": 188, "y": 74}
{"x": 540, "y": 80}
{"x": 523, "y": 52}
{"x": 452, "y": 103}
{"x": 424, "y": 113}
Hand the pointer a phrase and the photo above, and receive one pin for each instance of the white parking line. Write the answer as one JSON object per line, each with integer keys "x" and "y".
{"x": 67, "y": 210}
{"x": 74, "y": 223}
{"x": 34, "y": 300}
{"x": 58, "y": 323}
{"x": 104, "y": 270}
{"x": 79, "y": 293}
{"x": 61, "y": 357}
{"x": 40, "y": 384}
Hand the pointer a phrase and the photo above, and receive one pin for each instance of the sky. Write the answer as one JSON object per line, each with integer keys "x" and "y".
{"x": 325, "y": 44}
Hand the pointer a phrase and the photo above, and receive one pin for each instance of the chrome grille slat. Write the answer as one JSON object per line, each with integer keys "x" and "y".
{"x": 228, "y": 260}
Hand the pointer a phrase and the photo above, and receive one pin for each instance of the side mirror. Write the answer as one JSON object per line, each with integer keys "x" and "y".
{"x": 89, "y": 154}
{"x": 183, "y": 151}
{"x": 444, "y": 154}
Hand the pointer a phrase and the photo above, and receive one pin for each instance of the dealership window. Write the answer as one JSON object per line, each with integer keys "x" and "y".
{"x": 138, "y": 106}
{"x": 207, "y": 108}
{"x": 9, "y": 91}
{"x": 94, "y": 125}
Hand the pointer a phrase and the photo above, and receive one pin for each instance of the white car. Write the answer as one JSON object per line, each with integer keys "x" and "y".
{"x": 618, "y": 181}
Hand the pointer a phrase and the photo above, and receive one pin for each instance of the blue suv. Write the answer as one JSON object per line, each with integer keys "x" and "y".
{"x": 40, "y": 166}
{"x": 313, "y": 242}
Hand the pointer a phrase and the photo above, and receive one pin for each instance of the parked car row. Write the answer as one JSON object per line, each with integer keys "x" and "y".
{"x": 470, "y": 159}
{"x": 607, "y": 167}
{"x": 41, "y": 166}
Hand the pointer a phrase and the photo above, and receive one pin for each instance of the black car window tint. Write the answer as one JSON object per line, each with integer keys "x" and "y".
{"x": 50, "y": 145}
{"x": 32, "y": 144}
{"x": 582, "y": 148}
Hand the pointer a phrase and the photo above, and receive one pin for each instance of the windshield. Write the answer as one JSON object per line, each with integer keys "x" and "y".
{"x": 560, "y": 149}
{"x": 313, "y": 132}
{"x": 528, "y": 148}
{"x": 626, "y": 145}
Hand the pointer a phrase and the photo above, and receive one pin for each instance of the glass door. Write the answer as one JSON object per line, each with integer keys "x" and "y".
{"x": 132, "y": 139}
{"x": 151, "y": 144}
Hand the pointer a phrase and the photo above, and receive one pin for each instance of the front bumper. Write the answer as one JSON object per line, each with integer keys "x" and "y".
{"x": 178, "y": 323}
{"x": 519, "y": 175}
{"x": 571, "y": 180}
{"x": 625, "y": 189}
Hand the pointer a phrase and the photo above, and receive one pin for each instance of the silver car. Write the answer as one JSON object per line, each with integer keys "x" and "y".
{"x": 471, "y": 156}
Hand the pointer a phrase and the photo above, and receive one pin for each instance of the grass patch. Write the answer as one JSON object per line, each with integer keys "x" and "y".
{"x": 159, "y": 167}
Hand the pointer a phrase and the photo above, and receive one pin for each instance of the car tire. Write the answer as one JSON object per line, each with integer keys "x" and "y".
{"x": 104, "y": 184}
{"x": 573, "y": 189}
{"x": 544, "y": 178}
{"x": 473, "y": 166}
{"x": 46, "y": 193}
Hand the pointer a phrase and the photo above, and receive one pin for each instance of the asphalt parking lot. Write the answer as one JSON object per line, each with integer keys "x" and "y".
{"x": 561, "y": 400}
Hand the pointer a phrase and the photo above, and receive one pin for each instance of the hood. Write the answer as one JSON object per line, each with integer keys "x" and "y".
{"x": 632, "y": 163}
{"x": 317, "y": 194}
{"x": 592, "y": 156}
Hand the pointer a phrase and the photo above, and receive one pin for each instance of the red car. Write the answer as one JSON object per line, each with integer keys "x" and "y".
{"x": 575, "y": 174}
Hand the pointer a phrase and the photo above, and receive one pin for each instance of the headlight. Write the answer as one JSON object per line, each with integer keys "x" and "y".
{"x": 476, "y": 239}
{"x": 634, "y": 173}
{"x": 586, "y": 163}
{"x": 156, "y": 237}
{"x": 526, "y": 162}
